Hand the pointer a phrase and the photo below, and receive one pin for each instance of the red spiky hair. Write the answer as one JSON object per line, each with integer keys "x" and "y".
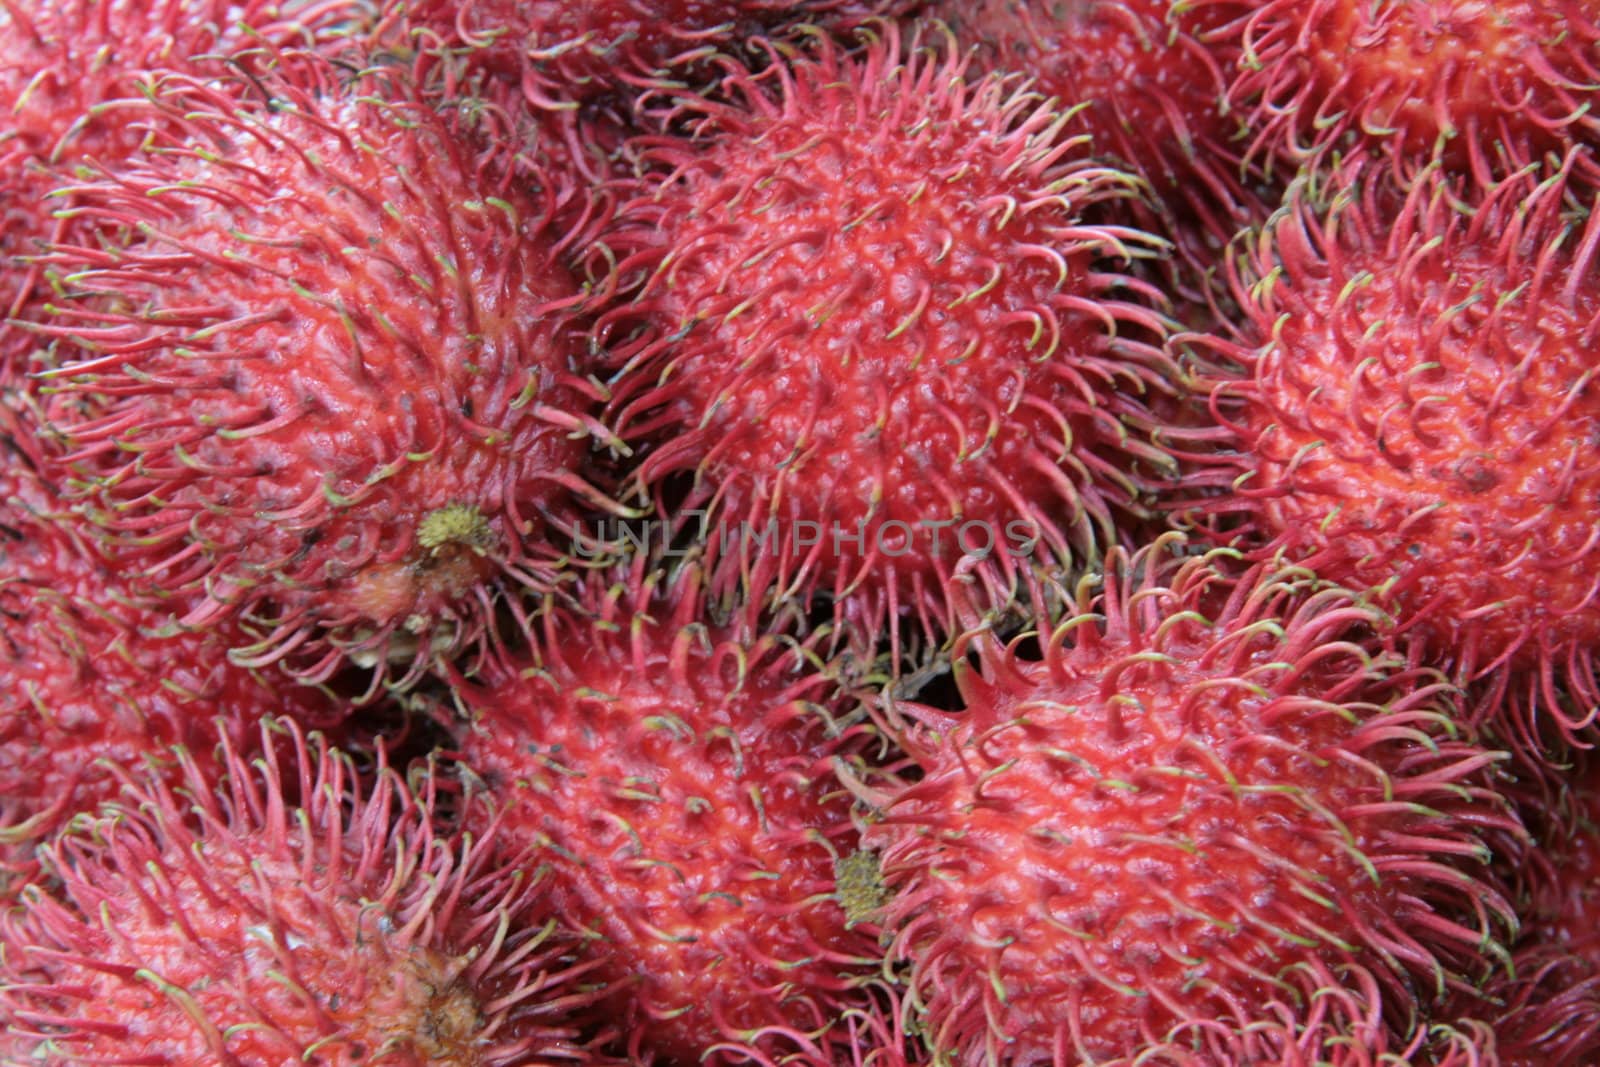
{"x": 1144, "y": 86}
{"x": 878, "y": 333}
{"x": 1495, "y": 85}
{"x": 1206, "y": 818}
{"x": 1547, "y": 1013}
{"x": 674, "y": 770}
{"x": 285, "y": 912}
{"x": 328, "y": 378}
{"x": 1414, "y": 408}
{"x": 1548, "y": 1010}
{"x": 90, "y": 678}
{"x": 555, "y": 55}
{"x": 68, "y": 71}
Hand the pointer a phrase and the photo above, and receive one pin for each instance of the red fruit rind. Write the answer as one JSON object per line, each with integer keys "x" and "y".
{"x": 555, "y": 55}
{"x": 1492, "y": 86}
{"x": 89, "y": 674}
{"x": 328, "y": 378}
{"x": 1548, "y": 1010}
{"x": 675, "y": 773}
{"x": 69, "y": 72}
{"x": 1151, "y": 92}
{"x": 224, "y": 923}
{"x": 1415, "y": 410}
{"x": 879, "y": 333}
{"x": 1208, "y": 820}
{"x": 1548, "y": 1014}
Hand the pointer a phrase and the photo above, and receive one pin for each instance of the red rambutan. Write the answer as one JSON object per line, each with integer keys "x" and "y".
{"x": 71, "y": 70}
{"x": 878, "y": 332}
{"x": 1416, "y": 411}
{"x": 325, "y": 377}
{"x": 89, "y": 677}
{"x": 555, "y": 54}
{"x": 1548, "y": 1010}
{"x": 223, "y": 923}
{"x": 1147, "y": 90}
{"x": 675, "y": 774}
{"x": 1491, "y": 85}
{"x": 1567, "y": 911}
{"x": 1204, "y": 819}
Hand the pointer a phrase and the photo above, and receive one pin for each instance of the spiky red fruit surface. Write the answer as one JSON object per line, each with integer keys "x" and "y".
{"x": 1497, "y": 84}
{"x": 70, "y": 69}
{"x": 555, "y": 54}
{"x": 1416, "y": 411}
{"x": 1207, "y": 819}
{"x": 1548, "y": 1011}
{"x": 878, "y": 332}
{"x": 327, "y": 378}
{"x": 1568, "y": 911}
{"x": 88, "y": 674}
{"x": 221, "y": 923}
{"x": 1148, "y": 91}
{"x": 675, "y": 772}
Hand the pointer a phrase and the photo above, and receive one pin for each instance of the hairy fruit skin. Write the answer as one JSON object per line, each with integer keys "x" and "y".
{"x": 674, "y": 774}
{"x": 222, "y": 923}
{"x": 1414, "y": 411}
{"x": 91, "y": 678}
{"x": 863, "y": 308}
{"x": 1147, "y": 88}
{"x": 70, "y": 71}
{"x": 1548, "y": 1010}
{"x": 554, "y": 54}
{"x": 1208, "y": 820}
{"x": 386, "y": 348}
{"x": 1492, "y": 86}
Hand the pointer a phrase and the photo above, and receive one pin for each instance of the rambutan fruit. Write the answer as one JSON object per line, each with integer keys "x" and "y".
{"x": 1145, "y": 87}
{"x": 1208, "y": 817}
{"x": 1547, "y": 1013}
{"x": 1491, "y": 86}
{"x": 555, "y": 55}
{"x": 90, "y": 678}
{"x": 1414, "y": 407}
{"x": 1548, "y": 1010}
{"x": 674, "y": 773}
{"x": 69, "y": 72}
{"x": 325, "y": 378}
{"x": 568, "y": 154}
{"x": 1567, "y": 911}
{"x": 863, "y": 313}
{"x": 223, "y": 922}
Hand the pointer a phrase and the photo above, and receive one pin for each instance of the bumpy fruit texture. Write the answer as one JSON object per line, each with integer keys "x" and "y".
{"x": 1548, "y": 1014}
{"x": 1549, "y": 1011}
{"x": 1416, "y": 408}
{"x": 879, "y": 333}
{"x": 1147, "y": 89}
{"x": 555, "y": 54}
{"x": 327, "y": 379}
{"x": 70, "y": 70}
{"x": 89, "y": 675}
{"x": 675, "y": 775}
{"x": 222, "y": 923}
{"x": 1204, "y": 819}
{"x": 1567, "y": 912}
{"x": 1494, "y": 85}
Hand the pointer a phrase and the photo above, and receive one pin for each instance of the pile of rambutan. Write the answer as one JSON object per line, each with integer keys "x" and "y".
{"x": 848, "y": 533}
